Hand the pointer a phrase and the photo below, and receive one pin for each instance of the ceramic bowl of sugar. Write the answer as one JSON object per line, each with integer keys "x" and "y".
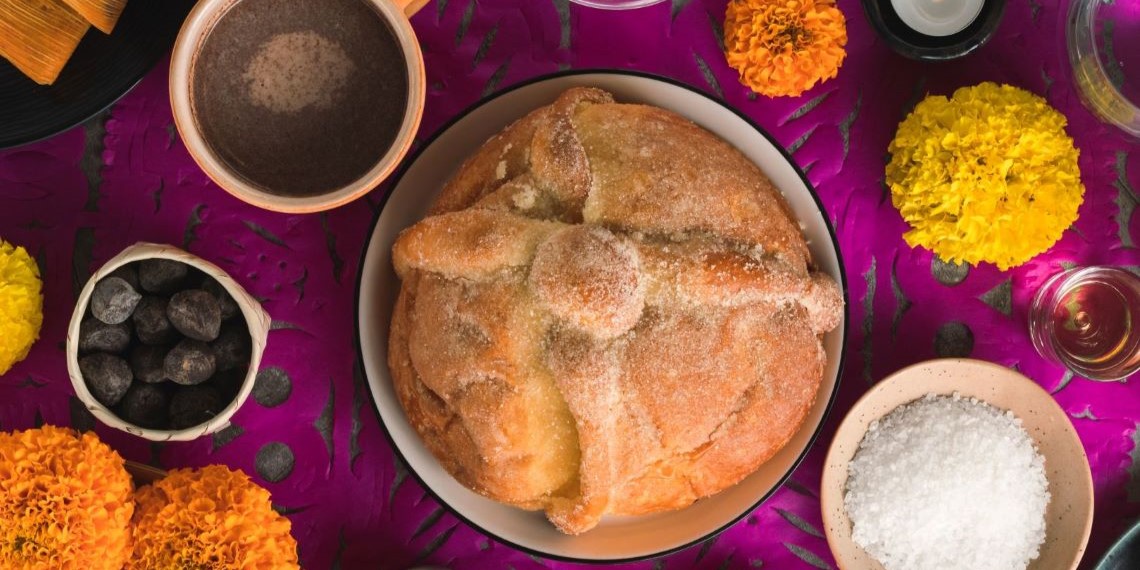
{"x": 957, "y": 463}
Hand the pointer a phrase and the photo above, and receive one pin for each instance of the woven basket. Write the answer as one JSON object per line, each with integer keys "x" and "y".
{"x": 255, "y": 317}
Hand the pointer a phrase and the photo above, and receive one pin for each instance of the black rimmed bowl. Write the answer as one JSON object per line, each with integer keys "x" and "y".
{"x": 616, "y": 538}
{"x": 102, "y": 69}
{"x": 906, "y": 41}
{"x": 1124, "y": 554}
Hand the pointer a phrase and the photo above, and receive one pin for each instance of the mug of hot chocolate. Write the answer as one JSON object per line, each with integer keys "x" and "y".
{"x": 294, "y": 105}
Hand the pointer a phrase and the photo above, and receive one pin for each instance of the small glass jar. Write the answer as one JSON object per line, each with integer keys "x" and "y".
{"x": 911, "y": 43}
{"x": 617, "y": 4}
{"x": 1088, "y": 320}
{"x": 1103, "y": 38}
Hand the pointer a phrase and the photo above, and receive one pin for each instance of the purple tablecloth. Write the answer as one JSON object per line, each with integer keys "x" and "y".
{"x": 312, "y": 437}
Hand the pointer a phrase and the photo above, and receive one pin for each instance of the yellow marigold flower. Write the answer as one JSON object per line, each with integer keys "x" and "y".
{"x": 784, "y": 47}
{"x": 21, "y": 304}
{"x": 987, "y": 175}
{"x": 65, "y": 502}
{"x": 209, "y": 519}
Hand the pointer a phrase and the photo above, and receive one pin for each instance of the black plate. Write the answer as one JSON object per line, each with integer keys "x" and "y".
{"x": 1124, "y": 553}
{"x": 102, "y": 69}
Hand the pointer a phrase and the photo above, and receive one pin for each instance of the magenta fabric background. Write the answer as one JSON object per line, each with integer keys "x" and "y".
{"x": 77, "y": 199}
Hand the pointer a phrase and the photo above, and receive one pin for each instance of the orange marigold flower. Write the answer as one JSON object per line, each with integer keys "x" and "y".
{"x": 209, "y": 519}
{"x": 784, "y": 47}
{"x": 65, "y": 502}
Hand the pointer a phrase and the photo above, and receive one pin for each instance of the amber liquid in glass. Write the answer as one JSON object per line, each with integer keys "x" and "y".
{"x": 1086, "y": 320}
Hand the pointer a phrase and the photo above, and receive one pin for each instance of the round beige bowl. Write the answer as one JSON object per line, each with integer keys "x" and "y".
{"x": 1070, "y": 511}
{"x": 257, "y": 320}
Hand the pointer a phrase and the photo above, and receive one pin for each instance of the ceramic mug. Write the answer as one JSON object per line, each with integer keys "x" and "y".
{"x": 198, "y": 25}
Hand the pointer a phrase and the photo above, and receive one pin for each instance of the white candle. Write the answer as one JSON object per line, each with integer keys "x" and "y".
{"x": 937, "y": 17}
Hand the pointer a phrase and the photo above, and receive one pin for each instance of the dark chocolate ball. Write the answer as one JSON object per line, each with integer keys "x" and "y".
{"x": 128, "y": 273}
{"x": 113, "y": 300}
{"x": 148, "y": 363}
{"x": 97, "y": 336}
{"x": 232, "y": 347}
{"x": 194, "y": 405}
{"x": 146, "y": 405}
{"x": 162, "y": 275}
{"x": 189, "y": 362}
{"x": 226, "y": 303}
{"x": 229, "y": 383}
{"x": 196, "y": 314}
{"x": 107, "y": 376}
{"x": 151, "y": 324}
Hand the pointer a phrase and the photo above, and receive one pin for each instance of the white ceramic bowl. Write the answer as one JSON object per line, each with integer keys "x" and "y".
{"x": 615, "y": 539}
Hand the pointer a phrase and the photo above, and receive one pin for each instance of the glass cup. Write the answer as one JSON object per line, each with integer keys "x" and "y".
{"x": 617, "y": 4}
{"x": 1103, "y": 40}
{"x": 1085, "y": 319}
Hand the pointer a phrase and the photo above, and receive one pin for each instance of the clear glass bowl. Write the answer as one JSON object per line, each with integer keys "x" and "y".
{"x": 1103, "y": 39}
{"x": 617, "y": 4}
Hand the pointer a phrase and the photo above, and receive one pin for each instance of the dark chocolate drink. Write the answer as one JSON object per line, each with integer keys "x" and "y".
{"x": 300, "y": 97}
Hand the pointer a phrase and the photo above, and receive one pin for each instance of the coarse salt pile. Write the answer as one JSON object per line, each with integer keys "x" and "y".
{"x": 948, "y": 482}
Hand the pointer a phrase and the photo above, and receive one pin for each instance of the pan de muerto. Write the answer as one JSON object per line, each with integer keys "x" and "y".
{"x": 609, "y": 310}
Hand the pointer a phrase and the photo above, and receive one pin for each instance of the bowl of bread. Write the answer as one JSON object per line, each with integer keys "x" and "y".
{"x": 602, "y": 316}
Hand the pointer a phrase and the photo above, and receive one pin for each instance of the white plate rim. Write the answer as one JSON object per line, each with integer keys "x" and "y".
{"x": 393, "y": 183}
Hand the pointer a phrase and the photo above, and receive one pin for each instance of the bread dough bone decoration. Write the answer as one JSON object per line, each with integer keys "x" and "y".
{"x": 608, "y": 310}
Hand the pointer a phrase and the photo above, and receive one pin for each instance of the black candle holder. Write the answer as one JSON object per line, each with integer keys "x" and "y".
{"x": 915, "y": 45}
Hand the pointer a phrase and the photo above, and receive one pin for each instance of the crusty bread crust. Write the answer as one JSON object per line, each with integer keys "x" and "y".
{"x": 609, "y": 310}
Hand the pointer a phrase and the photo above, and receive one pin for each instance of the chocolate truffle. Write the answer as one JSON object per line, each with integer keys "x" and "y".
{"x": 113, "y": 300}
{"x": 229, "y": 383}
{"x": 128, "y": 273}
{"x": 232, "y": 347}
{"x": 146, "y": 405}
{"x": 196, "y": 314}
{"x": 148, "y": 363}
{"x": 193, "y": 405}
{"x": 97, "y": 336}
{"x": 226, "y": 303}
{"x": 189, "y": 362}
{"x": 161, "y": 275}
{"x": 107, "y": 376}
{"x": 151, "y": 324}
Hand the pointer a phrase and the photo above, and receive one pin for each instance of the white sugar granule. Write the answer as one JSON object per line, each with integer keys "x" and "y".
{"x": 948, "y": 482}
{"x": 524, "y": 199}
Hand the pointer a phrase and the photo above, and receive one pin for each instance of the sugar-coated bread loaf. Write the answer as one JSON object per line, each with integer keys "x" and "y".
{"x": 609, "y": 310}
